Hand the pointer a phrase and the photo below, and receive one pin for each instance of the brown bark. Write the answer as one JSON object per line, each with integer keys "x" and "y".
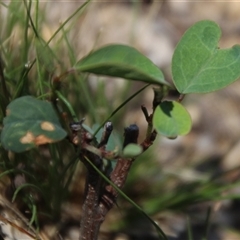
{"x": 91, "y": 221}
{"x": 99, "y": 196}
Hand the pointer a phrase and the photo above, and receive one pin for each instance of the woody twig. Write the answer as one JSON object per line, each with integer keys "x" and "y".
{"x": 100, "y": 196}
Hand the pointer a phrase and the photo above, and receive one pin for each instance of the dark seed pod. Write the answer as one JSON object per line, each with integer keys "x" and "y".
{"x": 130, "y": 134}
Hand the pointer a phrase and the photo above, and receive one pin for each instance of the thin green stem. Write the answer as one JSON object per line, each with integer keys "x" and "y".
{"x": 28, "y": 8}
{"x": 207, "y": 224}
{"x": 39, "y": 78}
{"x": 5, "y": 5}
{"x": 158, "y": 229}
{"x": 68, "y": 105}
{"x": 26, "y": 43}
{"x": 119, "y": 107}
{"x": 34, "y": 214}
{"x": 67, "y": 20}
{"x": 70, "y": 49}
{"x": 24, "y": 186}
{"x": 22, "y": 80}
{"x": 189, "y": 229}
{"x": 36, "y": 15}
{"x": 88, "y": 98}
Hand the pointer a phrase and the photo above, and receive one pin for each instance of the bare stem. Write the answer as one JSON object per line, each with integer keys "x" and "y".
{"x": 119, "y": 173}
{"x": 100, "y": 196}
{"x": 90, "y": 223}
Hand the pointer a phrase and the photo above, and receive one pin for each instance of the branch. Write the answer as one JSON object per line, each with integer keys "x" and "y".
{"x": 100, "y": 196}
{"x": 91, "y": 219}
{"x": 119, "y": 174}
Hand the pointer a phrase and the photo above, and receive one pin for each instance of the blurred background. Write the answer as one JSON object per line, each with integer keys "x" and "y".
{"x": 176, "y": 180}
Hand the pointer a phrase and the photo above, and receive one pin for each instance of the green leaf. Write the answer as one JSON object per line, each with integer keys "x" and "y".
{"x": 132, "y": 150}
{"x": 198, "y": 65}
{"x": 171, "y": 119}
{"x": 121, "y": 61}
{"x": 30, "y": 122}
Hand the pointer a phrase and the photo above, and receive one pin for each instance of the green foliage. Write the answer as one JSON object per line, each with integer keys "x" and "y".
{"x": 171, "y": 119}
{"x": 30, "y": 122}
{"x": 198, "y": 65}
{"x": 121, "y": 61}
{"x": 132, "y": 150}
{"x": 28, "y": 66}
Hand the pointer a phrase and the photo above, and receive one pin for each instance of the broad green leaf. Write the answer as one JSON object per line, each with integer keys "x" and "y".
{"x": 121, "y": 61}
{"x": 132, "y": 150}
{"x": 198, "y": 65}
{"x": 30, "y": 122}
{"x": 171, "y": 119}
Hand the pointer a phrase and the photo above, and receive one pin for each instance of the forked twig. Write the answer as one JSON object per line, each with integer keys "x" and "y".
{"x": 100, "y": 196}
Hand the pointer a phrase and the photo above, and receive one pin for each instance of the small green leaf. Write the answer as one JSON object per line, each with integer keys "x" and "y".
{"x": 171, "y": 119}
{"x": 132, "y": 150}
{"x": 30, "y": 122}
{"x": 198, "y": 65}
{"x": 121, "y": 61}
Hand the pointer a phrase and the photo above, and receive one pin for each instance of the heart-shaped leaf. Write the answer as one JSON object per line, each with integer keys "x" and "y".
{"x": 171, "y": 119}
{"x": 198, "y": 65}
{"x": 30, "y": 122}
{"x": 121, "y": 61}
